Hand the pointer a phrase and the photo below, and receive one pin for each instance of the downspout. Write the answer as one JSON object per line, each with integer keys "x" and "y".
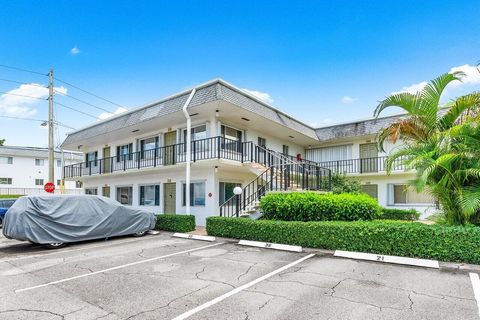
{"x": 189, "y": 151}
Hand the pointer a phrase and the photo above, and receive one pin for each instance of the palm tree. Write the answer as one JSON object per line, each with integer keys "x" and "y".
{"x": 442, "y": 143}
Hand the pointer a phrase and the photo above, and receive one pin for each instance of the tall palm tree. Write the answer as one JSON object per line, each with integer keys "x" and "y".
{"x": 441, "y": 143}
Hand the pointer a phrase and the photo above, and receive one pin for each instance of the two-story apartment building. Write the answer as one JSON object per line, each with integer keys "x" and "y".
{"x": 138, "y": 157}
{"x": 24, "y": 170}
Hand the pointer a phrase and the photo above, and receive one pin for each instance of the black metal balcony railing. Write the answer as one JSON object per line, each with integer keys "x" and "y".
{"x": 364, "y": 165}
{"x": 209, "y": 148}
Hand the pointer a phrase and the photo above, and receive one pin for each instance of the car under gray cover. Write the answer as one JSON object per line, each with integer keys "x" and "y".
{"x": 70, "y": 218}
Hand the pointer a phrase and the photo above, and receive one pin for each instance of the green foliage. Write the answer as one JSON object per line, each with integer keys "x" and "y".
{"x": 310, "y": 206}
{"x": 175, "y": 222}
{"x": 2, "y": 142}
{"x": 399, "y": 214}
{"x": 445, "y": 243}
{"x": 342, "y": 184}
{"x": 442, "y": 144}
{"x": 10, "y": 196}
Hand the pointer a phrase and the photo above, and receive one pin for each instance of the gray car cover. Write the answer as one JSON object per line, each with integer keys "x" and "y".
{"x": 70, "y": 218}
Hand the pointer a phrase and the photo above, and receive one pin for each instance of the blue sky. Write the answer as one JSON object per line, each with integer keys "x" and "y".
{"x": 320, "y": 61}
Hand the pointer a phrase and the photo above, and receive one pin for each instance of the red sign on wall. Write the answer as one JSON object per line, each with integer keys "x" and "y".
{"x": 49, "y": 187}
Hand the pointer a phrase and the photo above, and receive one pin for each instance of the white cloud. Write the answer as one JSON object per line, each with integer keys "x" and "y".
{"x": 472, "y": 75}
{"x": 414, "y": 88}
{"x": 260, "y": 95}
{"x": 348, "y": 99}
{"x": 21, "y": 101}
{"x": 74, "y": 51}
{"x": 107, "y": 115}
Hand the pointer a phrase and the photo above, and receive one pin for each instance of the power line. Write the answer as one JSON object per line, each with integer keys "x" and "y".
{"x": 20, "y": 118}
{"x": 76, "y": 110}
{"x": 85, "y": 102}
{"x": 21, "y": 69}
{"x": 90, "y": 93}
{"x": 22, "y": 95}
{"x": 23, "y": 83}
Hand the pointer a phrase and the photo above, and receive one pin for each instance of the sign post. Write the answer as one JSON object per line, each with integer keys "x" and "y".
{"x": 49, "y": 187}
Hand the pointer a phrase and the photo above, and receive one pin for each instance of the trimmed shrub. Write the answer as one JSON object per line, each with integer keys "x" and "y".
{"x": 310, "y": 206}
{"x": 399, "y": 214}
{"x": 446, "y": 243}
{"x": 175, "y": 222}
{"x": 10, "y": 196}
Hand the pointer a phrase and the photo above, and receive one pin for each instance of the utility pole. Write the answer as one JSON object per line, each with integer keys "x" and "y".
{"x": 51, "y": 158}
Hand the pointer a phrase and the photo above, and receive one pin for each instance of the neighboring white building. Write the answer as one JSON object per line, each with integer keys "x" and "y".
{"x": 138, "y": 157}
{"x": 24, "y": 170}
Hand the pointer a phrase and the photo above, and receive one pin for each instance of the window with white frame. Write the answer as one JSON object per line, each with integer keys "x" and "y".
{"x": 6, "y": 160}
{"x": 370, "y": 189}
{"x": 150, "y": 195}
{"x": 226, "y": 191}
{"x": 5, "y": 180}
{"x": 124, "y": 195}
{"x": 39, "y": 162}
{"x": 198, "y": 133}
{"x": 197, "y": 194}
{"x": 91, "y": 191}
{"x": 148, "y": 147}
{"x": 124, "y": 152}
{"x": 91, "y": 159}
{"x": 399, "y": 194}
{"x": 39, "y": 182}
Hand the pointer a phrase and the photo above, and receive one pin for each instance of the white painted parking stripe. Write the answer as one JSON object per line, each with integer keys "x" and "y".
{"x": 276, "y": 246}
{"x": 116, "y": 268}
{"x": 239, "y": 289}
{"x": 476, "y": 288}
{"x": 193, "y": 236}
{"x": 388, "y": 259}
{"x": 57, "y": 251}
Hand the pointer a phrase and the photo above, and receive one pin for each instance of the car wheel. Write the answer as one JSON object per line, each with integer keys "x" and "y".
{"x": 55, "y": 245}
{"x": 140, "y": 233}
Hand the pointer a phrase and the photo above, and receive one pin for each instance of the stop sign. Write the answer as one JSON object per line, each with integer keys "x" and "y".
{"x": 49, "y": 187}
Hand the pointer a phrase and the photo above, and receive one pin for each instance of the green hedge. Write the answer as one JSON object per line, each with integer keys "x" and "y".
{"x": 175, "y": 222}
{"x": 310, "y": 206}
{"x": 400, "y": 214}
{"x": 10, "y": 196}
{"x": 445, "y": 243}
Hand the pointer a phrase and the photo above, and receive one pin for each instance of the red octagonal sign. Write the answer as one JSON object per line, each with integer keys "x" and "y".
{"x": 49, "y": 187}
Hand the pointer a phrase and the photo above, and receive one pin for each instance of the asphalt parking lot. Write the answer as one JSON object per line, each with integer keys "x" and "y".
{"x": 161, "y": 277}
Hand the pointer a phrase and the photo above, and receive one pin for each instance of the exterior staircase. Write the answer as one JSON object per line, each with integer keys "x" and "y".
{"x": 275, "y": 172}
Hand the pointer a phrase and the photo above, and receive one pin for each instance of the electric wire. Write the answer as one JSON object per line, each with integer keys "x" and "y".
{"x": 23, "y": 83}
{"x": 22, "y": 69}
{"x": 85, "y": 102}
{"x": 76, "y": 110}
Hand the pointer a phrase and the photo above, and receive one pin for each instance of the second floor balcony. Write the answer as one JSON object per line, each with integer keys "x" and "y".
{"x": 204, "y": 149}
{"x": 364, "y": 165}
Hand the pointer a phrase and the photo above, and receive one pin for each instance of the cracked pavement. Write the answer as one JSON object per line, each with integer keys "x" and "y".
{"x": 318, "y": 288}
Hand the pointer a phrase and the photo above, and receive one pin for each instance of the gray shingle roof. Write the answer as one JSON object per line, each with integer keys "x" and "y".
{"x": 208, "y": 92}
{"x": 36, "y": 152}
{"x": 357, "y": 128}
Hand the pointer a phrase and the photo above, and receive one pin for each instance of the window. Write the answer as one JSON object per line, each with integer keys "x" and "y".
{"x": 124, "y": 195}
{"x": 78, "y": 184}
{"x": 59, "y": 182}
{"x": 262, "y": 142}
{"x": 124, "y": 152}
{"x": 285, "y": 149}
{"x": 403, "y": 194}
{"x": 59, "y": 163}
{"x": 197, "y": 194}
{"x": 91, "y": 191}
{"x": 371, "y": 190}
{"x": 226, "y": 191}
{"x": 149, "y": 144}
{"x": 335, "y": 153}
{"x": 150, "y": 195}
{"x": 39, "y": 162}
{"x": 198, "y": 133}
{"x": 5, "y": 180}
{"x": 6, "y": 160}
{"x": 231, "y": 133}
{"x": 39, "y": 182}
{"x": 91, "y": 159}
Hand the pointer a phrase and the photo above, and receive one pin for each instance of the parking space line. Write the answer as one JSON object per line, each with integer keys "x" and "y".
{"x": 239, "y": 289}
{"x": 476, "y": 288}
{"x": 110, "y": 242}
{"x": 116, "y": 268}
